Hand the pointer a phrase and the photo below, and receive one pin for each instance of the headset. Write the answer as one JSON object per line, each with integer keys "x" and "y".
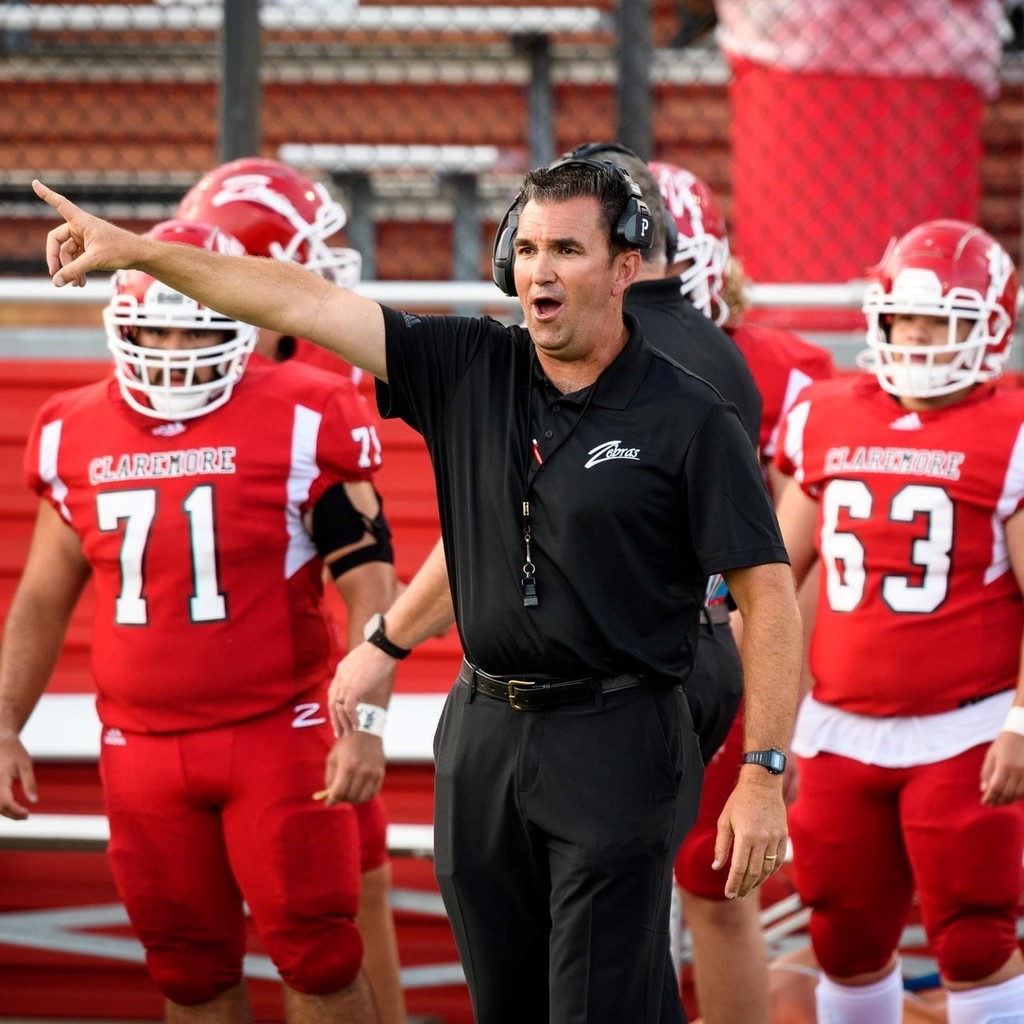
{"x": 591, "y": 149}
{"x": 634, "y": 228}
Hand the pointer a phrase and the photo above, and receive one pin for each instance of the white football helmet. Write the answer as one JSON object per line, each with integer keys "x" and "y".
{"x": 942, "y": 268}
{"x": 163, "y": 383}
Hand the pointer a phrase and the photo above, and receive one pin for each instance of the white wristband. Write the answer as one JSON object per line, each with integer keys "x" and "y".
{"x": 1014, "y": 720}
{"x": 373, "y": 718}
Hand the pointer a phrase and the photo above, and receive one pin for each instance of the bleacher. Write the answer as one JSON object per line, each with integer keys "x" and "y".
{"x": 139, "y": 133}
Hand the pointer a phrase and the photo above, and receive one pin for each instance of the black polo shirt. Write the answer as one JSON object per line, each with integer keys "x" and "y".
{"x": 673, "y": 325}
{"x": 647, "y": 486}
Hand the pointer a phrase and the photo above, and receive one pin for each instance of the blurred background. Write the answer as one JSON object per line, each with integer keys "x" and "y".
{"x": 824, "y": 126}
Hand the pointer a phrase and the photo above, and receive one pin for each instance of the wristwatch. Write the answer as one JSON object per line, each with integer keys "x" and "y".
{"x": 774, "y": 760}
{"x": 373, "y": 632}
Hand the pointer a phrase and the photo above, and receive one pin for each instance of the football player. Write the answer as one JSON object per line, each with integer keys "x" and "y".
{"x": 730, "y": 962}
{"x": 279, "y": 213}
{"x": 205, "y": 540}
{"x": 908, "y": 490}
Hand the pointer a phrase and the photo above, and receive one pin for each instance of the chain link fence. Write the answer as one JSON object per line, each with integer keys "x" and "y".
{"x": 824, "y": 126}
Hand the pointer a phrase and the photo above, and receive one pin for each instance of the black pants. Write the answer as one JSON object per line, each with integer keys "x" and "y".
{"x": 556, "y": 831}
{"x": 714, "y": 688}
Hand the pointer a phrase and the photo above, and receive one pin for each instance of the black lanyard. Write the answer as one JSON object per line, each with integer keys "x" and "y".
{"x": 528, "y": 582}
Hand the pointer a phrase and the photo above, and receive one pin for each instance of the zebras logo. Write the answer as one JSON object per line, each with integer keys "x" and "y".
{"x": 609, "y": 451}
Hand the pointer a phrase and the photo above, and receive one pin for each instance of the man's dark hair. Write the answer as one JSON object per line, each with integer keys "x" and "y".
{"x": 570, "y": 181}
{"x": 641, "y": 174}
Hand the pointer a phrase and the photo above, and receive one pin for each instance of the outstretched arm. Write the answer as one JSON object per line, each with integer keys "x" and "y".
{"x": 267, "y": 293}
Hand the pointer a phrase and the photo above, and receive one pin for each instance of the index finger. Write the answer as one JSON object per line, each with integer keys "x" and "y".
{"x": 28, "y": 782}
{"x": 48, "y": 195}
{"x": 60, "y": 236}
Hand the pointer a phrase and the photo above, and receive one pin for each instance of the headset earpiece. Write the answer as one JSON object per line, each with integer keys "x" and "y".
{"x": 504, "y": 255}
{"x": 671, "y": 234}
{"x": 592, "y": 151}
{"x": 635, "y": 227}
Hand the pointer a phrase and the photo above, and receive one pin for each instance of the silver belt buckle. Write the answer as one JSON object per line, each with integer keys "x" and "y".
{"x": 511, "y": 694}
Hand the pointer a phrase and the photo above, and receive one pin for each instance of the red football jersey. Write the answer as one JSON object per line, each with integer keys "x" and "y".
{"x": 918, "y": 608}
{"x": 782, "y": 365}
{"x": 208, "y": 588}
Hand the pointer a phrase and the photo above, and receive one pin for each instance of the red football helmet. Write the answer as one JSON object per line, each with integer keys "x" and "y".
{"x": 949, "y": 269}
{"x": 274, "y": 211}
{"x": 162, "y": 382}
{"x": 702, "y": 242}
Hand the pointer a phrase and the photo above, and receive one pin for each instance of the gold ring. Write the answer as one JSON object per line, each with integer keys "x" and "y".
{"x": 771, "y": 857}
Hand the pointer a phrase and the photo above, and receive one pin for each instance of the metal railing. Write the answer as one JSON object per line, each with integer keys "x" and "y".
{"x": 79, "y": 334}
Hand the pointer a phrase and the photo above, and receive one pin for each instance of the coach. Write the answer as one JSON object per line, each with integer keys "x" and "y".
{"x": 588, "y": 486}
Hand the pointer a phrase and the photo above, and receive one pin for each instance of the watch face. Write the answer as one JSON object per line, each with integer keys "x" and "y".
{"x": 373, "y": 623}
{"x": 776, "y": 761}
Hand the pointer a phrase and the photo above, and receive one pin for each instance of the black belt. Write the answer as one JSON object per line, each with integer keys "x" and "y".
{"x": 533, "y": 695}
{"x": 714, "y": 614}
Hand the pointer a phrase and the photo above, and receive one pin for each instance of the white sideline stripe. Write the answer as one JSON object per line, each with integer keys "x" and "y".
{"x": 64, "y": 727}
{"x": 91, "y": 832}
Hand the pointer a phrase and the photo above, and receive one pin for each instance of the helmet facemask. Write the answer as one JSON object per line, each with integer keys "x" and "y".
{"x": 930, "y": 371}
{"x": 161, "y": 382}
{"x": 702, "y": 243}
{"x": 701, "y": 281}
{"x": 149, "y": 376}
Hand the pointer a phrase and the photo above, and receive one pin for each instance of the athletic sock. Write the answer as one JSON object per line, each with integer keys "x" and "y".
{"x": 991, "y": 1004}
{"x": 881, "y": 1002}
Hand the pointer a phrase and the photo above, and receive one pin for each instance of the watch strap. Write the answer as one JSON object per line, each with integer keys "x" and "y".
{"x": 773, "y": 760}
{"x": 380, "y": 639}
